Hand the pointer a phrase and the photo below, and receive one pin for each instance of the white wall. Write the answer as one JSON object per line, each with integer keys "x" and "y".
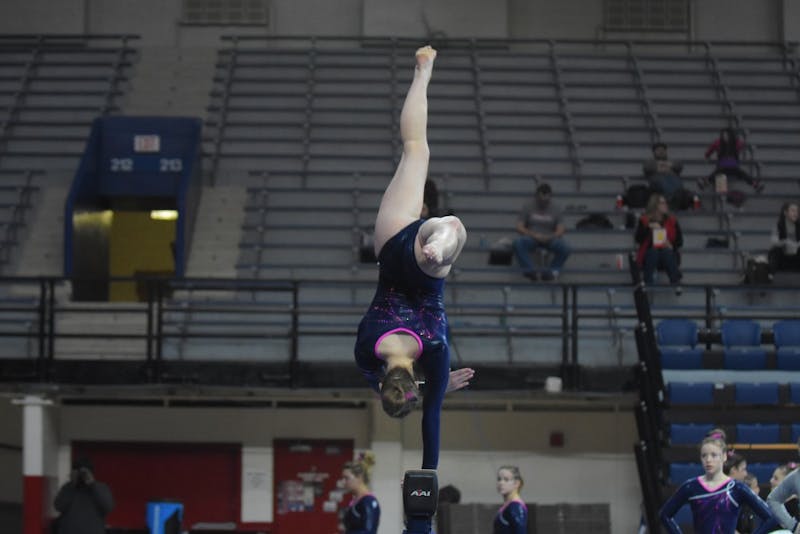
{"x": 713, "y": 19}
{"x": 737, "y": 20}
{"x": 594, "y": 466}
{"x": 453, "y": 18}
{"x": 42, "y": 16}
{"x": 549, "y": 19}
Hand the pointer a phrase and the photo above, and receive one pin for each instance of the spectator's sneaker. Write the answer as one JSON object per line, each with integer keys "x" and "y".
{"x": 549, "y": 276}
{"x": 678, "y": 291}
{"x": 531, "y": 275}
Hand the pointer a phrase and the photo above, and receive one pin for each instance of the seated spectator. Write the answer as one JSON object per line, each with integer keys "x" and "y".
{"x": 659, "y": 237}
{"x": 727, "y": 147}
{"x": 540, "y": 226}
{"x": 785, "y": 241}
{"x": 664, "y": 176}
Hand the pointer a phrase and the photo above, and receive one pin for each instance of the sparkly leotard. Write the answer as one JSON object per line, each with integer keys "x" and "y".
{"x": 362, "y": 516}
{"x": 409, "y": 301}
{"x": 714, "y": 510}
{"x": 512, "y": 518}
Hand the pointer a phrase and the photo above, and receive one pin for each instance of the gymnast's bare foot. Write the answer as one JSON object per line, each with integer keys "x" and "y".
{"x": 425, "y": 57}
{"x": 433, "y": 253}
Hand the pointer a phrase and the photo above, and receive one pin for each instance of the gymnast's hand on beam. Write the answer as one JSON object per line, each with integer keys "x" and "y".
{"x": 459, "y": 378}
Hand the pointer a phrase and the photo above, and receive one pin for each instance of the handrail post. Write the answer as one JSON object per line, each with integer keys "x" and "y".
{"x": 150, "y": 336}
{"x": 294, "y": 333}
{"x": 42, "y": 334}
{"x": 565, "y": 334}
{"x": 159, "y": 330}
{"x": 51, "y": 320}
{"x": 572, "y": 367}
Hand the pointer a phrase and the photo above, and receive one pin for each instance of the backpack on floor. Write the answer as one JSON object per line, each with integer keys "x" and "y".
{"x": 637, "y": 196}
{"x": 756, "y": 270}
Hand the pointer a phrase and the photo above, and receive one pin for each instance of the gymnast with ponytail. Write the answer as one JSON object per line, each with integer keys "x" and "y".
{"x": 363, "y": 513}
{"x": 512, "y": 518}
{"x": 715, "y": 498}
{"x": 406, "y": 325}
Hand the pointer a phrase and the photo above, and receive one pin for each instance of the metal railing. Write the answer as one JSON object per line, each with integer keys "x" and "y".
{"x": 275, "y": 318}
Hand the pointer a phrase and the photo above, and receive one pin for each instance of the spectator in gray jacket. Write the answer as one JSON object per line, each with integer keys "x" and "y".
{"x": 83, "y": 503}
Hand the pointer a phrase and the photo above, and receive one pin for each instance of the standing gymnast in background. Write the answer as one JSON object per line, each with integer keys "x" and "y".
{"x": 714, "y": 497}
{"x": 363, "y": 513}
{"x": 512, "y": 518}
{"x": 406, "y": 321}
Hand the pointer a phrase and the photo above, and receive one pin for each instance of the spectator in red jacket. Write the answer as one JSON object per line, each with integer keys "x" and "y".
{"x": 659, "y": 237}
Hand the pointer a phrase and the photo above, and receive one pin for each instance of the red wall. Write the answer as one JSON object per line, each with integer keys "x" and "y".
{"x": 206, "y": 478}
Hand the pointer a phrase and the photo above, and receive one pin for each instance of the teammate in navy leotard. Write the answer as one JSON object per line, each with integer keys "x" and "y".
{"x": 714, "y": 497}
{"x": 512, "y": 517}
{"x": 406, "y": 321}
{"x": 363, "y": 513}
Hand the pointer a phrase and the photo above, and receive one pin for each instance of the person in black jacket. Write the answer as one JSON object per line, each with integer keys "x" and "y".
{"x": 83, "y": 503}
{"x": 785, "y": 241}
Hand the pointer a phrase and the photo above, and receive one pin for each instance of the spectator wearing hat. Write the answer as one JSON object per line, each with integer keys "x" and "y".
{"x": 83, "y": 503}
{"x": 540, "y": 225}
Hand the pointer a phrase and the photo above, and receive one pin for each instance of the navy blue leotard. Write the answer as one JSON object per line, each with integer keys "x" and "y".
{"x": 714, "y": 510}
{"x": 409, "y": 301}
{"x": 362, "y": 516}
{"x": 512, "y": 518}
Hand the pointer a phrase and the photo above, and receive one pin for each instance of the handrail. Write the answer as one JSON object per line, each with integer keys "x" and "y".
{"x": 467, "y": 42}
{"x": 222, "y": 112}
{"x": 566, "y": 116}
{"x": 309, "y": 112}
{"x": 163, "y": 319}
{"x": 733, "y": 115}
{"x": 480, "y": 111}
{"x": 656, "y": 133}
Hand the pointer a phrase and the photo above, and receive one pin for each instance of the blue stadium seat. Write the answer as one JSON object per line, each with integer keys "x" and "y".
{"x": 758, "y": 433}
{"x": 765, "y": 393}
{"x": 691, "y": 392}
{"x": 795, "y": 432}
{"x": 787, "y": 344}
{"x": 742, "y": 341}
{"x": 681, "y": 472}
{"x": 762, "y": 471}
{"x": 794, "y": 393}
{"x": 688, "y": 433}
{"x": 677, "y": 342}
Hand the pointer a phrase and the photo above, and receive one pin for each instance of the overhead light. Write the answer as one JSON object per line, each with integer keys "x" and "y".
{"x": 164, "y": 215}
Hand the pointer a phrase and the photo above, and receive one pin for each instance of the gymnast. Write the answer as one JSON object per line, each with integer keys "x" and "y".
{"x": 363, "y": 513}
{"x": 512, "y": 518}
{"x": 406, "y": 321}
{"x": 714, "y": 497}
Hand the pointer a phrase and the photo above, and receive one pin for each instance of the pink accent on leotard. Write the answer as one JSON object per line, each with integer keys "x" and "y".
{"x": 405, "y": 331}
{"x": 518, "y": 499}
{"x": 701, "y": 480}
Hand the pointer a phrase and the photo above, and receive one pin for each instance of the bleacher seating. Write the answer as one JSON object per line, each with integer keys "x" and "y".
{"x": 742, "y": 341}
{"x": 787, "y": 344}
{"x": 677, "y": 343}
{"x": 757, "y": 393}
{"x": 52, "y": 87}
{"x": 302, "y": 121}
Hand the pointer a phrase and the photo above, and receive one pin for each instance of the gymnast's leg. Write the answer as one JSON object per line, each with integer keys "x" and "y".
{"x": 402, "y": 201}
